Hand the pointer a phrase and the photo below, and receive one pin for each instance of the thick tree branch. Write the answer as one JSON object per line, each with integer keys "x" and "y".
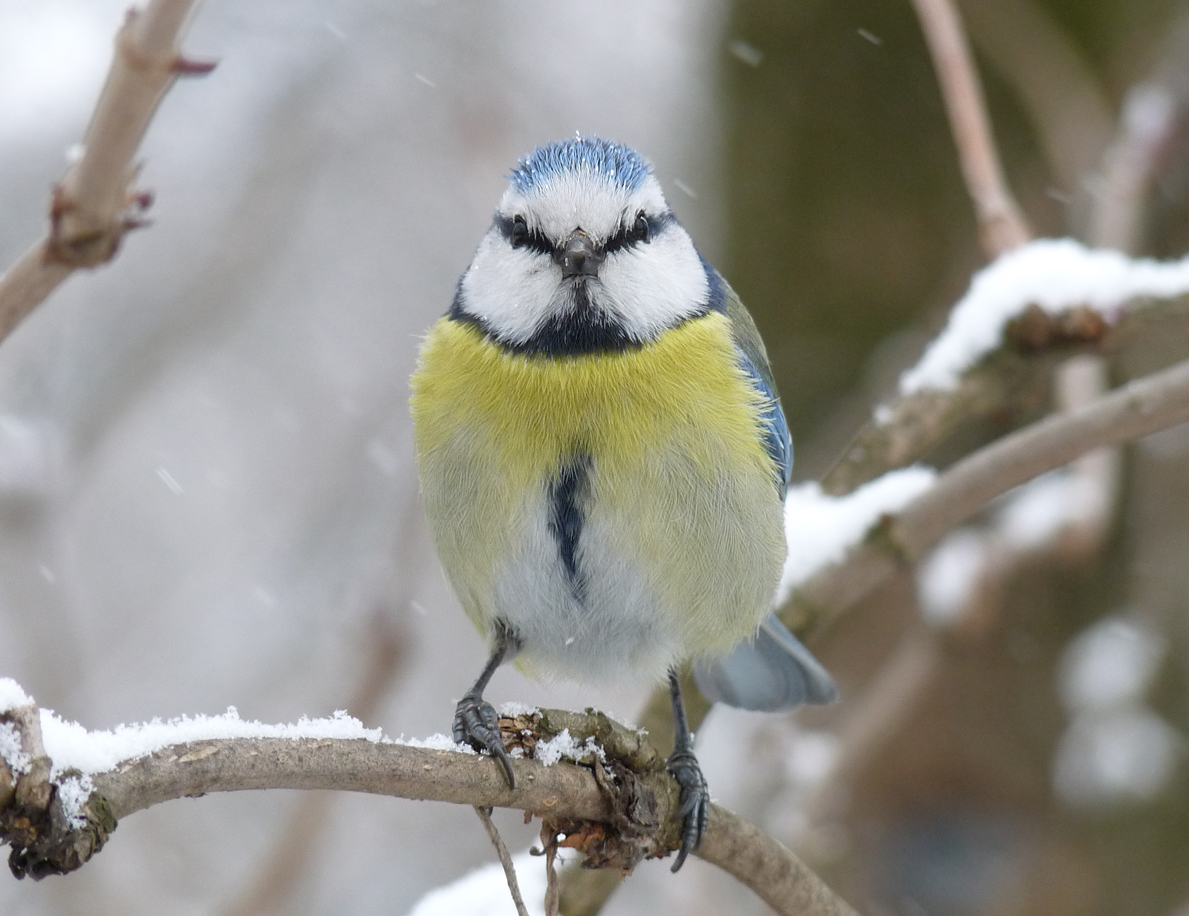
{"x": 95, "y": 203}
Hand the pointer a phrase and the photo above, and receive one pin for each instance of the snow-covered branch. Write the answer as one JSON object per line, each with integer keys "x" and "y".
{"x": 63, "y": 789}
{"x": 96, "y": 202}
{"x": 1140, "y": 408}
{"x": 1020, "y": 316}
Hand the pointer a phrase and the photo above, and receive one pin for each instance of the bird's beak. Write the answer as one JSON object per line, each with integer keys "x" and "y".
{"x": 578, "y": 256}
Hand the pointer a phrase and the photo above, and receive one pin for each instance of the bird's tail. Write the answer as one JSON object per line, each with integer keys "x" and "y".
{"x": 770, "y": 672}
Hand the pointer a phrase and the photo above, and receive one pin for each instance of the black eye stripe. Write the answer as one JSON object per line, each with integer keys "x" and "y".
{"x": 623, "y": 237}
{"x": 534, "y": 241}
{"x": 630, "y": 237}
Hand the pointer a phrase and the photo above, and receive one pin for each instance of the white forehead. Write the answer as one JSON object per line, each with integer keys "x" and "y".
{"x": 584, "y": 198}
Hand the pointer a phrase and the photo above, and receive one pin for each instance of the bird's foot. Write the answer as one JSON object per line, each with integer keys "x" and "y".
{"x": 476, "y": 724}
{"x": 695, "y": 801}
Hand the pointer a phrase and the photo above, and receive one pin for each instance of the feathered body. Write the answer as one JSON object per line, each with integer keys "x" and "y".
{"x": 618, "y": 509}
{"x": 603, "y": 458}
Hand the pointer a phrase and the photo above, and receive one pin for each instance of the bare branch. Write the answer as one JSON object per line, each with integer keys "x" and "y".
{"x": 1001, "y": 224}
{"x": 1066, "y": 105}
{"x": 95, "y": 204}
{"x": 784, "y": 882}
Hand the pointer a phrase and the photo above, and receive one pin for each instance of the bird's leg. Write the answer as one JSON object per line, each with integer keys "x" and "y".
{"x": 683, "y": 765}
{"x": 475, "y": 721}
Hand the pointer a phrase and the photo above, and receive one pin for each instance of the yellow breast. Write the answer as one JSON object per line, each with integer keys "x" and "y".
{"x": 679, "y": 471}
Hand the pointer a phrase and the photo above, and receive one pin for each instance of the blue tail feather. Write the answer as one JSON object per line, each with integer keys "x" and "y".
{"x": 770, "y": 672}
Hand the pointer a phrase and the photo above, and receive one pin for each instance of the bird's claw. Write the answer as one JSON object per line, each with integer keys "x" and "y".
{"x": 695, "y": 801}
{"x": 476, "y": 724}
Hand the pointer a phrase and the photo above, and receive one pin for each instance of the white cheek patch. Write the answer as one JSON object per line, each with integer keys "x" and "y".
{"x": 655, "y": 285}
{"x": 510, "y": 289}
{"x": 645, "y": 288}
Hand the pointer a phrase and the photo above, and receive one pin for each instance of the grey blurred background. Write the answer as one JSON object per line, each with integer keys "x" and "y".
{"x": 207, "y": 494}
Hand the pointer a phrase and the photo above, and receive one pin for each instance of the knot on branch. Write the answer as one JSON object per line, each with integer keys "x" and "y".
{"x": 81, "y": 239}
{"x": 45, "y": 840}
{"x": 1036, "y": 330}
{"x": 645, "y": 818}
{"x": 883, "y": 536}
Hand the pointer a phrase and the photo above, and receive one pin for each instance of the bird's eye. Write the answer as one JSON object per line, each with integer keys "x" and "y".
{"x": 519, "y": 231}
{"x": 640, "y": 227}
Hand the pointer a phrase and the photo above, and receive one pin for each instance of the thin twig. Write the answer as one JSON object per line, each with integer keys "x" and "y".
{"x": 95, "y": 204}
{"x": 501, "y": 850}
{"x": 1001, "y": 224}
{"x": 1066, "y": 105}
{"x": 552, "y": 885}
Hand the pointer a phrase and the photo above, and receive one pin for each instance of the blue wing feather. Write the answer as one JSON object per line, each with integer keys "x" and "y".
{"x": 772, "y": 670}
{"x": 753, "y": 359}
{"x": 777, "y": 441}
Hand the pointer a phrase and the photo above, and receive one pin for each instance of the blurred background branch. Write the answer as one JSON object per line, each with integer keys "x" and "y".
{"x": 1001, "y": 223}
{"x": 96, "y": 203}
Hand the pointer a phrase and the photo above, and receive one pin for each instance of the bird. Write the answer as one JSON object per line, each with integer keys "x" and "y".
{"x": 603, "y": 458}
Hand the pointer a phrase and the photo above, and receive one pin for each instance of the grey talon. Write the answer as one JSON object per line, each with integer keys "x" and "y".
{"x": 475, "y": 720}
{"x": 684, "y": 768}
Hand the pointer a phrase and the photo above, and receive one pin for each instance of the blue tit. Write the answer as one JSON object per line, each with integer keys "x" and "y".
{"x": 603, "y": 457}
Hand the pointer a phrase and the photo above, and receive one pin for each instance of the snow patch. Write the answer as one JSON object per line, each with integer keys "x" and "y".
{"x": 564, "y": 745}
{"x": 515, "y": 708}
{"x": 1041, "y": 509}
{"x": 73, "y": 792}
{"x": 1115, "y": 749}
{"x": 820, "y": 529}
{"x": 438, "y": 742}
{"x": 947, "y": 578}
{"x": 12, "y": 696}
{"x": 484, "y": 891}
{"x": 1123, "y": 755}
{"x": 1110, "y": 664}
{"x": 11, "y": 750}
{"x": 72, "y": 747}
{"x": 1054, "y": 274}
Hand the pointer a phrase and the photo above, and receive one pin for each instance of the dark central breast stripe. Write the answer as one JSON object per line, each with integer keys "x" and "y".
{"x": 567, "y": 495}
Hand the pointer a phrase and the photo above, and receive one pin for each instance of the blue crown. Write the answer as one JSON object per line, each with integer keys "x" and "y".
{"x": 614, "y": 161}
